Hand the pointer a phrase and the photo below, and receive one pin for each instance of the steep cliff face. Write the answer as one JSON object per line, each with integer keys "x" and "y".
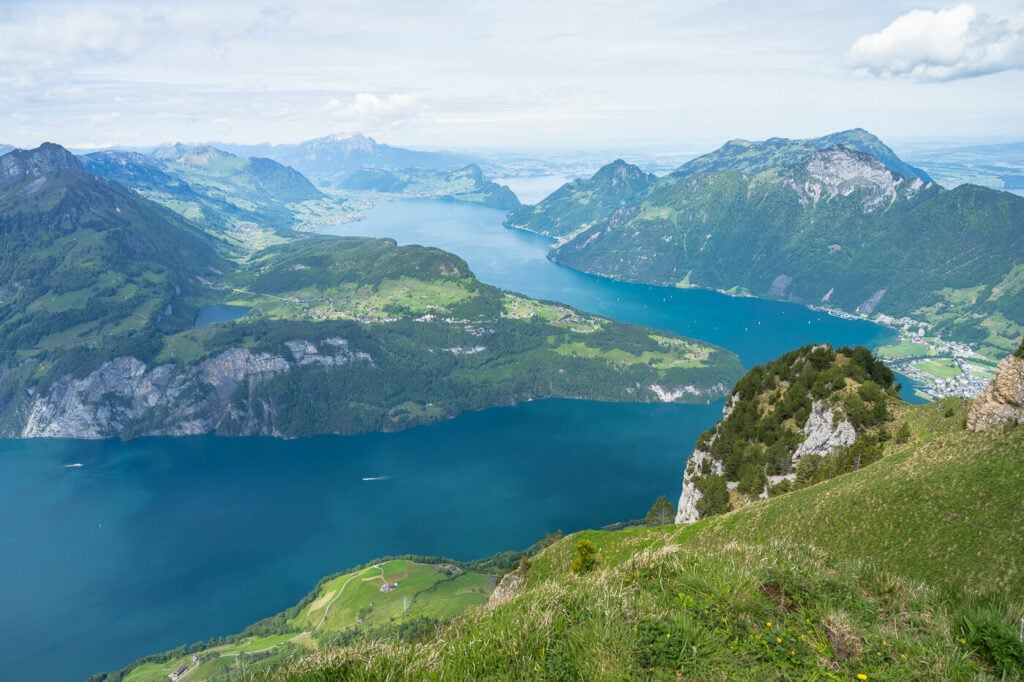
{"x": 700, "y": 460}
{"x": 782, "y": 422}
{"x": 125, "y": 397}
{"x": 838, "y": 171}
{"x": 1002, "y": 401}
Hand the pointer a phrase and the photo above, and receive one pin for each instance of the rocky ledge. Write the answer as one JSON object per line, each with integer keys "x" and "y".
{"x": 1002, "y": 401}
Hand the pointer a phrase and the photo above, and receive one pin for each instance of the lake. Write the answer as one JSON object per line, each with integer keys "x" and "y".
{"x": 757, "y": 330}
{"x": 157, "y": 542}
{"x": 212, "y": 314}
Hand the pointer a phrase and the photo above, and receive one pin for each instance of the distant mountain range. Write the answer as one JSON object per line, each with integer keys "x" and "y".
{"x": 821, "y": 221}
{"x": 465, "y": 184}
{"x": 220, "y": 191}
{"x": 327, "y": 160}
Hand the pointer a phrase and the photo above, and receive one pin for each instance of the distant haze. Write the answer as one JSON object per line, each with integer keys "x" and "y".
{"x": 525, "y": 76}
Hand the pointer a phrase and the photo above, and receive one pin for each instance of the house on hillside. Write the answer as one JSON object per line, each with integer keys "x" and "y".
{"x": 388, "y": 587}
{"x": 177, "y": 674}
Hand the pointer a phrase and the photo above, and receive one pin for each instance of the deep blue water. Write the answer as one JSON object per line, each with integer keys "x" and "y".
{"x": 158, "y": 542}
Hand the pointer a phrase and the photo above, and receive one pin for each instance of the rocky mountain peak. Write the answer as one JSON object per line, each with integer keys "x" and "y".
{"x": 778, "y": 152}
{"x": 46, "y": 159}
{"x": 621, "y": 175}
{"x": 353, "y": 144}
{"x": 199, "y": 155}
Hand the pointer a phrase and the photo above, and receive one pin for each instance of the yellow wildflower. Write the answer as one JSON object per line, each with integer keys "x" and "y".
{"x": 861, "y": 676}
{"x": 769, "y": 623}
{"x": 778, "y": 640}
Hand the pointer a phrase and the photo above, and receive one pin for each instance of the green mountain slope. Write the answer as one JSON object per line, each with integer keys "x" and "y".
{"x": 839, "y": 228}
{"x": 907, "y": 569}
{"x": 353, "y": 335}
{"x": 85, "y": 261}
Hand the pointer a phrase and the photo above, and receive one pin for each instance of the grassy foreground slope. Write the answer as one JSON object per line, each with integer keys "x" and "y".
{"x": 907, "y": 569}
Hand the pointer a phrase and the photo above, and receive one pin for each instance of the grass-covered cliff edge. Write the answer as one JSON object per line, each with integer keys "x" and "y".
{"x": 906, "y": 569}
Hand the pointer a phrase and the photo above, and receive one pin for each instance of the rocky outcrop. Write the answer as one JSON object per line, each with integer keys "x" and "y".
{"x": 509, "y": 586}
{"x": 823, "y": 432}
{"x": 686, "y": 510}
{"x": 125, "y": 397}
{"x": 48, "y": 158}
{"x": 841, "y": 171}
{"x": 1002, "y": 401}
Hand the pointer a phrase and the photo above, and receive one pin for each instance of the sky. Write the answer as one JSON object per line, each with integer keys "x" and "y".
{"x": 524, "y": 75}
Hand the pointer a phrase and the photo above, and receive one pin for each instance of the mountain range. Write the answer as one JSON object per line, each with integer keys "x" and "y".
{"x": 237, "y": 198}
{"x": 464, "y": 184}
{"x": 100, "y": 288}
{"x": 328, "y": 159}
{"x": 813, "y": 221}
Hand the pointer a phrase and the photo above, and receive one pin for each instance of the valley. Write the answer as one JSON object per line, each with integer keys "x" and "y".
{"x": 562, "y": 342}
{"x": 298, "y": 325}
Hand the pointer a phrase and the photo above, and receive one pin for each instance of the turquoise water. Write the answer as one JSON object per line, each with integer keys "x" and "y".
{"x": 220, "y": 313}
{"x": 158, "y": 542}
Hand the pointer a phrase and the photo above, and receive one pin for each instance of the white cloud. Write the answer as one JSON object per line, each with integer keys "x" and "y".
{"x": 366, "y": 103}
{"x": 104, "y": 118}
{"x": 940, "y": 46}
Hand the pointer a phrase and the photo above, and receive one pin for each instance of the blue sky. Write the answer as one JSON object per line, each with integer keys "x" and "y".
{"x": 525, "y": 75}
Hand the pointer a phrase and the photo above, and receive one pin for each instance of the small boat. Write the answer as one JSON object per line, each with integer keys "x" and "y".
{"x": 376, "y": 478}
{"x": 74, "y": 465}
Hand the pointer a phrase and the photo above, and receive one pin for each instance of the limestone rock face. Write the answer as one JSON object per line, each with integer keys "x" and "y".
{"x": 686, "y": 510}
{"x": 822, "y": 432}
{"x": 124, "y": 397}
{"x": 1002, "y": 400}
{"x": 510, "y": 585}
